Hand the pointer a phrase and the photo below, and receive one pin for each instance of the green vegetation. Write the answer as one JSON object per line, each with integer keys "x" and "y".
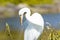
{"x": 3, "y": 2}
{"x": 48, "y": 34}
{"x": 51, "y": 34}
{"x": 15, "y": 35}
{"x": 8, "y": 34}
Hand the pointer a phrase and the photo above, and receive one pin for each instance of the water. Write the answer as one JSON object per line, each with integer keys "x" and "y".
{"x": 53, "y": 19}
{"x": 14, "y": 23}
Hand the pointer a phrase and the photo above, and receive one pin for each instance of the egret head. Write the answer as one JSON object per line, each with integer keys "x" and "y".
{"x": 23, "y": 12}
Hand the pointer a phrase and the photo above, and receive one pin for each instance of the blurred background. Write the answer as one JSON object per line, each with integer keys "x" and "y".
{"x": 49, "y": 9}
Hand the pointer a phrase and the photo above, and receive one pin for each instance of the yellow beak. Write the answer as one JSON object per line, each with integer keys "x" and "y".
{"x": 21, "y": 19}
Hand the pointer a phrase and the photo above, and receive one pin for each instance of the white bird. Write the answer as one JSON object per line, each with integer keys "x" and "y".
{"x": 34, "y": 24}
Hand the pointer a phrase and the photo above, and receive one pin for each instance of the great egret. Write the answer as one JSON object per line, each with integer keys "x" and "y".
{"x": 34, "y": 24}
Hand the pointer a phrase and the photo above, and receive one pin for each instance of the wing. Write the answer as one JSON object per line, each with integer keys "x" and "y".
{"x": 32, "y": 31}
{"x": 36, "y": 18}
{"x": 34, "y": 27}
{"x": 31, "y": 34}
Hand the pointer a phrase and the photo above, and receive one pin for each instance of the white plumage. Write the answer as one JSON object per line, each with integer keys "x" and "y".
{"x": 35, "y": 24}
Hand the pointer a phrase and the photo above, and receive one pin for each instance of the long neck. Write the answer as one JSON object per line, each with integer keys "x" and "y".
{"x": 28, "y": 14}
